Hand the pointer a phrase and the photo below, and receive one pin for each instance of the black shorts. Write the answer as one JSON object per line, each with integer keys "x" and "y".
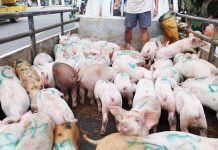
{"x": 143, "y": 18}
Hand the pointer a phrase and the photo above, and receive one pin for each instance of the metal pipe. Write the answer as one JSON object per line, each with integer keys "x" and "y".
{"x": 197, "y": 18}
{"x": 122, "y": 7}
{"x": 26, "y": 34}
{"x": 32, "y": 37}
{"x": 33, "y": 13}
{"x": 62, "y": 26}
{"x": 14, "y": 37}
{"x": 56, "y": 25}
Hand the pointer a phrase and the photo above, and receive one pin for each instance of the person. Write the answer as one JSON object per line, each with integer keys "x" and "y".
{"x": 137, "y": 10}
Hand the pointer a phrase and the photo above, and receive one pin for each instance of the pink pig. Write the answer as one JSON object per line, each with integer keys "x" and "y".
{"x": 106, "y": 94}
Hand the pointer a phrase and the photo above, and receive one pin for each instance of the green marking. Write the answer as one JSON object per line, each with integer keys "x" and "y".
{"x": 124, "y": 74}
{"x": 9, "y": 141}
{"x": 201, "y": 78}
{"x": 175, "y": 136}
{"x": 147, "y": 145}
{"x": 212, "y": 88}
{"x": 132, "y": 65}
{"x": 121, "y": 53}
{"x": 105, "y": 81}
{"x": 5, "y": 74}
{"x": 34, "y": 130}
{"x": 166, "y": 80}
{"x": 173, "y": 70}
{"x": 140, "y": 105}
{"x": 67, "y": 143}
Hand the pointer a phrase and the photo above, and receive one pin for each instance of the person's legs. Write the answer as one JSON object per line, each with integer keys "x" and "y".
{"x": 144, "y": 23}
{"x": 130, "y": 22}
{"x": 144, "y": 36}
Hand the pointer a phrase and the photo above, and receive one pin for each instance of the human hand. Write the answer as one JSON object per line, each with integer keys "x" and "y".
{"x": 155, "y": 12}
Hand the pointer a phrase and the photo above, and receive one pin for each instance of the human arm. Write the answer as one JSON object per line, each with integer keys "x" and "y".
{"x": 116, "y": 4}
{"x": 156, "y": 8}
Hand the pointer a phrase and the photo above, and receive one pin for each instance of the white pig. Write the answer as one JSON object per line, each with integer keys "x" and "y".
{"x": 10, "y": 134}
{"x": 50, "y": 101}
{"x": 149, "y": 50}
{"x": 14, "y": 98}
{"x": 163, "y": 90}
{"x": 38, "y": 133}
{"x": 190, "y": 110}
{"x": 180, "y": 46}
{"x": 42, "y": 58}
{"x": 123, "y": 83}
{"x": 205, "y": 89}
{"x": 106, "y": 94}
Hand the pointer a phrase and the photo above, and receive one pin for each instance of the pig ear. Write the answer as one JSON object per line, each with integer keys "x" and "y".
{"x": 117, "y": 112}
{"x": 193, "y": 40}
{"x": 149, "y": 116}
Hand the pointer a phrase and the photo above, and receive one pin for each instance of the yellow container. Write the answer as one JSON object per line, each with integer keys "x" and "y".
{"x": 169, "y": 26}
{"x": 8, "y": 1}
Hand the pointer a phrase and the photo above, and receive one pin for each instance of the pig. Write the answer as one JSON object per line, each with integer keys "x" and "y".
{"x": 42, "y": 58}
{"x": 38, "y": 133}
{"x": 30, "y": 80}
{"x": 149, "y": 50}
{"x": 145, "y": 112}
{"x": 132, "y": 69}
{"x": 46, "y": 69}
{"x": 14, "y": 98}
{"x": 66, "y": 80}
{"x": 66, "y": 136}
{"x": 64, "y": 38}
{"x": 97, "y": 72}
{"x": 60, "y": 112}
{"x": 168, "y": 140}
{"x": 145, "y": 87}
{"x": 164, "y": 93}
{"x": 106, "y": 94}
{"x": 133, "y": 55}
{"x": 73, "y": 39}
{"x": 205, "y": 89}
{"x": 195, "y": 68}
{"x": 190, "y": 110}
{"x": 173, "y": 140}
{"x": 138, "y": 121}
{"x": 10, "y": 134}
{"x": 118, "y": 141}
{"x": 180, "y": 46}
{"x": 123, "y": 83}
{"x": 161, "y": 63}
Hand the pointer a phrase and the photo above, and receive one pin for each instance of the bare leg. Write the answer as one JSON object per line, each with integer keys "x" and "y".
{"x": 91, "y": 98}
{"x": 128, "y": 37}
{"x": 144, "y": 36}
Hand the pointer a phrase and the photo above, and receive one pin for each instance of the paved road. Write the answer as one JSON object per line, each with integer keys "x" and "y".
{"x": 7, "y": 29}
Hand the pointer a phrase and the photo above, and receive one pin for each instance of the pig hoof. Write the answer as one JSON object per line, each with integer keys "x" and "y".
{"x": 34, "y": 109}
{"x": 102, "y": 132}
{"x": 74, "y": 104}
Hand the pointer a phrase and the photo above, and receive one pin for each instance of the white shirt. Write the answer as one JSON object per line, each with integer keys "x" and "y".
{"x": 138, "y": 6}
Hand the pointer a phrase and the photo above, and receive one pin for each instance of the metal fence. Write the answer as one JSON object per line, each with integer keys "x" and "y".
{"x": 32, "y": 31}
{"x": 213, "y": 40}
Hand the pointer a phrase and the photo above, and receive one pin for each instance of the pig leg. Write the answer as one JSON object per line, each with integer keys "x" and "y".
{"x": 203, "y": 132}
{"x": 130, "y": 97}
{"x": 104, "y": 120}
{"x": 34, "y": 107}
{"x": 99, "y": 104}
{"x": 154, "y": 129}
{"x": 217, "y": 115}
{"x": 91, "y": 98}
{"x": 74, "y": 95}
{"x": 82, "y": 94}
{"x": 172, "y": 120}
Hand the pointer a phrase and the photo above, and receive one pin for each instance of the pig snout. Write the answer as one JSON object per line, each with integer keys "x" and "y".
{"x": 123, "y": 127}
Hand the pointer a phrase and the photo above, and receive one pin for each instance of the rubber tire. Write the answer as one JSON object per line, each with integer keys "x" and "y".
{"x": 14, "y": 20}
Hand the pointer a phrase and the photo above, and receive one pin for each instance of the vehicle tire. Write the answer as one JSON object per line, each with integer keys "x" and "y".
{"x": 14, "y": 20}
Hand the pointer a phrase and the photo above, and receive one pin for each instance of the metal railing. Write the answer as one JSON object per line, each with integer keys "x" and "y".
{"x": 212, "y": 40}
{"x": 32, "y": 31}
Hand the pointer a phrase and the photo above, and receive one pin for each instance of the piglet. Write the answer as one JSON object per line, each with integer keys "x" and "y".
{"x": 66, "y": 80}
{"x": 123, "y": 83}
{"x": 38, "y": 133}
{"x": 106, "y": 94}
{"x": 60, "y": 112}
{"x": 14, "y": 98}
{"x": 42, "y": 58}
{"x": 190, "y": 110}
{"x": 144, "y": 114}
{"x": 10, "y": 134}
{"x": 66, "y": 137}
